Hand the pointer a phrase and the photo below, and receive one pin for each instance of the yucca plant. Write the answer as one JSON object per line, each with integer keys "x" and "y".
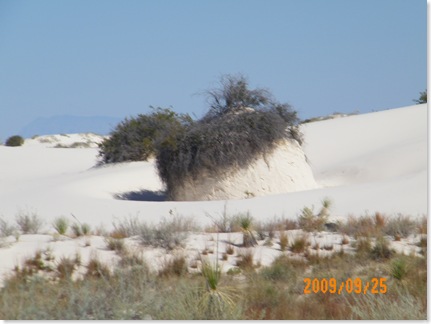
{"x": 216, "y": 302}
{"x": 245, "y": 222}
{"x": 60, "y": 225}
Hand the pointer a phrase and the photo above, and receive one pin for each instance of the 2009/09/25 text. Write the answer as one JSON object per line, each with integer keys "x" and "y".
{"x": 356, "y": 286}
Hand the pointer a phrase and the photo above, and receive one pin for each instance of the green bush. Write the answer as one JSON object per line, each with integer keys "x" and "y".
{"x": 15, "y": 140}
{"x": 241, "y": 125}
{"x": 138, "y": 138}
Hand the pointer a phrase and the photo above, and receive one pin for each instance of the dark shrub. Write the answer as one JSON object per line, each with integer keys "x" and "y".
{"x": 137, "y": 139}
{"x": 240, "y": 126}
{"x": 15, "y": 140}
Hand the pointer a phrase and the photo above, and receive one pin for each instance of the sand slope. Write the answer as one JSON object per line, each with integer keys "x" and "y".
{"x": 364, "y": 163}
{"x": 370, "y": 162}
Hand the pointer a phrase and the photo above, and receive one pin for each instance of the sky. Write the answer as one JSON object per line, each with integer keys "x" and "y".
{"x": 117, "y": 58}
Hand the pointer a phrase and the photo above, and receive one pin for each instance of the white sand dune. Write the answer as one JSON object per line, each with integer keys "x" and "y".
{"x": 363, "y": 163}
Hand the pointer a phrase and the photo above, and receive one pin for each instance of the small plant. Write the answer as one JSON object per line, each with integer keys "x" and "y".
{"x": 326, "y": 206}
{"x": 168, "y": 234}
{"x": 284, "y": 241}
{"x": 67, "y": 266}
{"x": 215, "y": 301}
{"x": 328, "y": 247}
{"x": 245, "y": 222}
{"x": 76, "y": 229}
{"x": 6, "y": 229}
{"x": 398, "y": 268}
{"x": 96, "y": 269}
{"x": 229, "y": 249}
{"x": 85, "y": 229}
{"x": 401, "y": 225}
{"x": 224, "y": 256}
{"x": 313, "y": 223}
{"x": 15, "y": 140}
{"x": 362, "y": 246}
{"x": 176, "y": 266}
{"x": 381, "y": 250}
{"x": 28, "y": 222}
{"x": 115, "y": 244}
{"x": 345, "y": 240}
{"x": 60, "y": 225}
{"x": 245, "y": 260}
{"x": 299, "y": 244}
{"x": 380, "y": 220}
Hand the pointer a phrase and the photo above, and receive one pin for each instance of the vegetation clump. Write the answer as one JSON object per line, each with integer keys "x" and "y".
{"x": 15, "y": 140}
{"x": 241, "y": 125}
{"x": 138, "y": 138}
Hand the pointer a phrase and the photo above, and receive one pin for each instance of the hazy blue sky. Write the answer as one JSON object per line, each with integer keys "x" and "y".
{"x": 116, "y": 58}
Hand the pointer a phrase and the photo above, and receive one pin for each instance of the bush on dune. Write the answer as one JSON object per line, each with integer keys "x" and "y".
{"x": 241, "y": 125}
{"x": 15, "y": 140}
{"x": 138, "y": 138}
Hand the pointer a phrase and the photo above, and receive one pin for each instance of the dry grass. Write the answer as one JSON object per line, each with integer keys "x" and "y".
{"x": 245, "y": 259}
{"x": 299, "y": 244}
{"x": 284, "y": 241}
{"x": 274, "y": 292}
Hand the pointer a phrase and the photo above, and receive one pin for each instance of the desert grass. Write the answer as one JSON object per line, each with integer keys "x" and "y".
{"x": 29, "y": 222}
{"x": 61, "y": 224}
{"x": 284, "y": 241}
{"x": 129, "y": 290}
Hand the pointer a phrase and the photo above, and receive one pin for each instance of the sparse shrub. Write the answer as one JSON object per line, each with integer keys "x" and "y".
{"x": 381, "y": 250}
{"x": 284, "y": 241}
{"x": 167, "y": 234}
{"x": 399, "y": 268}
{"x": 28, "y": 222}
{"x": 80, "y": 229}
{"x": 76, "y": 229}
{"x": 85, "y": 229}
{"x": 310, "y": 222}
{"x": 345, "y": 240}
{"x": 422, "y": 97}
{"x": 422, "y": 225}
{"x": 96, "y": 269}
{"x": 138, "y": 138}
{"x": 6, "y": 229}
{"x": 403, "y": 306}
{"x": 132, "y": 259}
{"x": 328, "y": 247}
{"x": 299, "y": 244}
{"x": 229, "y": 249}
{"x": 282, "y": 269}
{"x": 115, "y": 244}
{"x": 423, "y": 245}
{"x": 363, "y": 246}
{"x": 380, "y": 220}
{"x": 67, "y": 266}
{"x": 363, "y": 226}
{"x": 241, "y": 125}
{"x": 176, "y": 266}
{"x": 245, "y": 260}
{"x": 400, "y": 225}
{"x": 60, "y": 225}
{"x": 15, "y": 140}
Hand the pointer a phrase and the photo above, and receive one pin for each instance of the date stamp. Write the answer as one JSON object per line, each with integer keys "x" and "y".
{"x": 351, "y": 286}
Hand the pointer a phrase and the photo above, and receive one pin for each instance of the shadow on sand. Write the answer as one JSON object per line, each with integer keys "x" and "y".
{"x": 142, "y": 195}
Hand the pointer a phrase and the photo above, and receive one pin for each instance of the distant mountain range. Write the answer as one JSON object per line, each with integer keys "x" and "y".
{"x": 70, "y": 124}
